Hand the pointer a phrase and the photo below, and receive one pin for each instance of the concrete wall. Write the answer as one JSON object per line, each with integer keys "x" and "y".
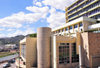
{"x": 86, "y": 24}
{"x": 91, "y": 49}
{"x": 31, "y": 52}
{"x": 56, "y": 43}
{"x": 43, "y": 47}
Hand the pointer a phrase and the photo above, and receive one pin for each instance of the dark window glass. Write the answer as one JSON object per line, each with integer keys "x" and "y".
{"x": 63, "y": 54}
{"x": 81, "y": 24}
{"x": 70, "y": 27}
{"x": 66, "y": 29}
{"x": 75, "y": 26}
{"x": 75, "y": 57}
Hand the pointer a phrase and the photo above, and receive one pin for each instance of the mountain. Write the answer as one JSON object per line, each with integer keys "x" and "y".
{"x": 11, "y": 40}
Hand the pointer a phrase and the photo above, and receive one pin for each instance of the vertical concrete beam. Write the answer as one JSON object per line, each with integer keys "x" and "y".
{"x": 70, "y": 52}
{"x": 43, "y": 47}
{"x": 81, "y": 58}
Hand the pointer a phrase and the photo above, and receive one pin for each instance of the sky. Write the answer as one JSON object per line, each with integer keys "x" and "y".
{"x": 22, "y": 17}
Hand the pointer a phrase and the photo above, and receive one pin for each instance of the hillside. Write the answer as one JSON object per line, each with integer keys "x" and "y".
{"x": 11, "y": 40}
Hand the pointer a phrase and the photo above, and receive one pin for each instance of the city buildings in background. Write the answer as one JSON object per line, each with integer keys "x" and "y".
{"x": 73, "y": 45}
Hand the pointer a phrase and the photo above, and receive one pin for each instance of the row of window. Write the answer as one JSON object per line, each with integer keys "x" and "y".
{"x": 75, "y": 4}
{"x": 64, "y": 43}
{"x": 96, "y": 17}
{"x": 23, "y": 50}
{"x": 70, "y": 27}
{"x": 85, "y": 9}
{"x": 82, "y": 5}
{"x": 88, "y": 14}
{"x": 64, "y": 53}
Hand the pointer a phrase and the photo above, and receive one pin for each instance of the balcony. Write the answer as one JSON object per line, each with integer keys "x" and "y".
{"x": 94, "y": 26}
{"x": 94, "y": 1}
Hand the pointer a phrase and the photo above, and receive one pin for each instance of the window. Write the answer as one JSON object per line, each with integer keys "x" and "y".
{"x": 66, "y": 29}
{"x": 75, "y": 26}
{"x": 23, "y": 50}
{"x": 81, "y": 24}
{"x": 59, "y": 31}
{"x": 64, "y": 53}
{"x": 62, "y": 30}
{"x": 75, "y": 57}
{"x": 70, "y": 27}
{"x": 62, "y": 43}
{"x": 67, "y": 43}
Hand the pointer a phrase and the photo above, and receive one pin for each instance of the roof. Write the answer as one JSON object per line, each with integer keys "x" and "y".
{"x": 75, "y": 22}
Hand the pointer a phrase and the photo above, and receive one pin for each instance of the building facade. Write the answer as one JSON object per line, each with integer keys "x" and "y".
{"x": 73, "y": 45}
{"x": 88, "y": 8}
{"x": 28, "y": 53}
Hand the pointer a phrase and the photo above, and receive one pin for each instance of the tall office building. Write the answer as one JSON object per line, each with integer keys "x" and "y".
{"x": 80, "y": 8}
{"x": 81, "y": 16}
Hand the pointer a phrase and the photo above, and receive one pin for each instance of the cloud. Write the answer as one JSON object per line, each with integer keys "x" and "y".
{"x": 16, "y": 20}
{"x": 38, "y": 4}
{"x": 40, "y": 10}
{"x": 2, "y": 29}
{"x": 58, "y": 4}
{"x": 46, "y": 9}
{"x": 2, "y": 35}
{"x": 56, "y": 18}
{"x": 22, "y": 32}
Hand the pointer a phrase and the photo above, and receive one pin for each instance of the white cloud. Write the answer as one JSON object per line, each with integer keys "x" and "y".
{"x": 2, "y": 35}
{"x": 2, "y": 29}
{"x": 56, "y": 18}
{"x": 58, "y": 4}
{"x": 16, "y": 20}
{"x": 10, "y": 30}
{"x": 38, "y": 10}
{"x": 38, "y": 4}
{"x": 21, "y": 32}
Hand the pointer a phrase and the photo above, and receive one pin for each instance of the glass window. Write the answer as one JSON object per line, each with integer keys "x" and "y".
{"x": 59, "y": 30}
{"x": 62, "y": 30}
{"x": 75, "y": 26}
{"x": 66, "y": 29}
{"x": 81, "y": 24}
{"x": 23, "y": 50}
{"x": 63, "y": 54}
{"x": 70, "y": 27}
{"x": 75, "y": 57}
{"x": 67, "y": 43}
{"x": 62, "y": 43}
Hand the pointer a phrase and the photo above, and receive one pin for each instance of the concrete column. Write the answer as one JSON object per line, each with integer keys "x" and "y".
{"x": 43, "y": 47}
{"x": 81, "y": 58}
{"x": 70, "y": 53}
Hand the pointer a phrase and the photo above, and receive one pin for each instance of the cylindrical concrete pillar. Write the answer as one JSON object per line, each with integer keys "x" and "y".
{"x": 43, "y": 47}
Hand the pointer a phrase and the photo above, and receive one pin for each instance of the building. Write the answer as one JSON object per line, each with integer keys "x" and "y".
{"x": 89, "y": 49}
{"x": 28, "y": 53}
{"x": 81, "y": 24}
{"x": 10, "y": 46}
{"x": 73, "y": 45}
{"x": 80, "y": 8}
{"x": 52, "y": 51}
{"x": 64, "y": 52}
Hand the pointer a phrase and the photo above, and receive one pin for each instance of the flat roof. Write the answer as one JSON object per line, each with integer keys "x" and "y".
{"x": 23, "y": 41}
{"x": 74, "y": 22}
